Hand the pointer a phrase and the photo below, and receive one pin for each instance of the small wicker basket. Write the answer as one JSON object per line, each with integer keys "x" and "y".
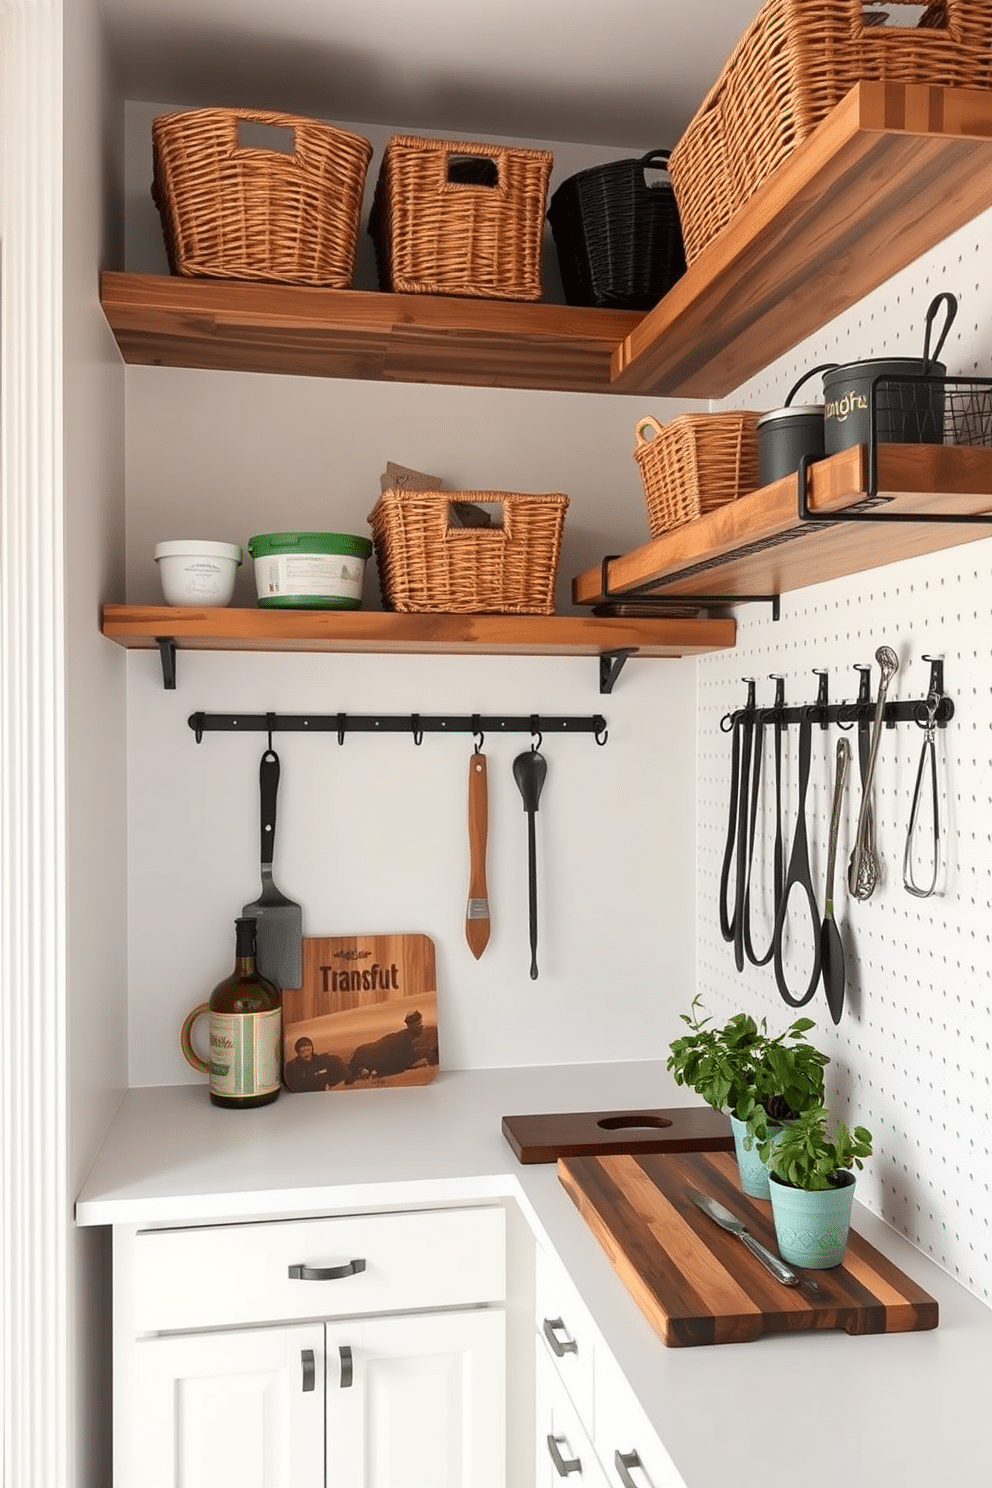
{"x": 694, "y": 464}
{"x": 460, "y": 219}
{"x": 426, "y": 562}
{"x": 797, "y": 60}
{"x": 235, "y": 211}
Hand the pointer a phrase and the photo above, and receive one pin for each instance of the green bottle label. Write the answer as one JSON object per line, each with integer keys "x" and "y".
{"x": 245, "y": 1053}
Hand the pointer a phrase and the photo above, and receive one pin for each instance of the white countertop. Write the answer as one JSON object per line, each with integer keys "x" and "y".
{"x": 899, "y": 1409}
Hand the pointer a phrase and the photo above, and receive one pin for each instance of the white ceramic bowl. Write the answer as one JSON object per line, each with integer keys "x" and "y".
{"x": 197, "y": 573}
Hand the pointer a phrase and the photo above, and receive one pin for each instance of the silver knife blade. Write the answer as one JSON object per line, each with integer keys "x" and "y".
{"x": 728, "y": 1221}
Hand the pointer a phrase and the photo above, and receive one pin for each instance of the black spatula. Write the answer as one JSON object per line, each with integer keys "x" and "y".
{"x": 529, "y": 771}
{"x": 279, "y": 921}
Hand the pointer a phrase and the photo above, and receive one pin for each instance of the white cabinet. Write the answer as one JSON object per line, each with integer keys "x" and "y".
{"x": 589, "y": 1422}
{"x": 361, "y": 1351}
{"x": 240, "y": 1407}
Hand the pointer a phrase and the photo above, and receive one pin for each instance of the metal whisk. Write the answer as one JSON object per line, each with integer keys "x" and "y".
{"x": 862, "y": 873}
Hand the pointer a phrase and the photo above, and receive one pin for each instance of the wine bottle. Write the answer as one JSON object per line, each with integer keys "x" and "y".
{"x": 245, "y": 1031}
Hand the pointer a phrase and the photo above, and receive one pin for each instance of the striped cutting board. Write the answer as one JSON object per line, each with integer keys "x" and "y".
{"x": 698, "y": 1284}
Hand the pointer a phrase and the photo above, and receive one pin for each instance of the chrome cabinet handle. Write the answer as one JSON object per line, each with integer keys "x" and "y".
{"x": 551, "y": 1327}
{"x": 624, "y": 1461}
{"x": 347, "y": 1367}
{"x": 309, "y": 1370}
{"x": 326, "y": 1273}
{"x": 563, "y": 1465}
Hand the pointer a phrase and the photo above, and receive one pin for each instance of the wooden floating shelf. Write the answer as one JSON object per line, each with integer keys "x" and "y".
{"x": 889, "y": 174}
{"x": 894, "y": 170}
{"x": 141, "y": 626}
{"x": 220, "y": 325}
{"x": 758, "y": 545}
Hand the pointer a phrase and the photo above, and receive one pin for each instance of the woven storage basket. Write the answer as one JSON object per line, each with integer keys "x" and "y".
{"x": 795, "y": 63}
{"x": 460, "y": 219}
{"x": 234, "y": 211}
{"x": 427, "y": 563}
{"x": 694, "y": 464}
{"x": 618, "y": 238}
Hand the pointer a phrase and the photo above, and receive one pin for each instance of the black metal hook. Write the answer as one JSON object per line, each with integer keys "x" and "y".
{"x": 342, "y": 726}
{"x": 602, "y": 732}
{"x": 198, "y": 727}
{"x": 270, "y": 723}
{"x": 416, "y": 730}
{"x": 535, "y": 728}
{"x": 822, "y": 695}
{"x": 478, "y": 737}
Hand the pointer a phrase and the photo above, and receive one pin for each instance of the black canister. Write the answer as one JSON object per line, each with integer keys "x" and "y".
{"x": 906, "y": 393}
{"x": 787, "y": 434}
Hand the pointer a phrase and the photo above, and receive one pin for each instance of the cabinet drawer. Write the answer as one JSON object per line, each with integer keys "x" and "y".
{"x": 567, "y": 1331}
{"x": 563, "y": 1448}
{"x": 217, "y": 1275}
{"x": 628, "y": 1446}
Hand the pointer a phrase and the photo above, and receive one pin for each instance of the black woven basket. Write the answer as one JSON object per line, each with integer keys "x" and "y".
{"x": 619, "y": 240}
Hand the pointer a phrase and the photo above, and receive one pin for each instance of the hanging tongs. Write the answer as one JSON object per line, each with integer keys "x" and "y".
{"x": 928, "y": 755}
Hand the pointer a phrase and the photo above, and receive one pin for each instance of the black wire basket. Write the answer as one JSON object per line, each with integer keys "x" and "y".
{"x": 618, "y": 237}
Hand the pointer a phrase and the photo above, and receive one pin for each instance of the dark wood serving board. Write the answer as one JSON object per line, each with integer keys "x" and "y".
{"x": 546, "y": 1137}
{"x": 696, "y": 1283}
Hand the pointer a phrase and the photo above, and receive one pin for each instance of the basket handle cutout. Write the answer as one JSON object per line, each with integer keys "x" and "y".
{"x": 476, "y": 515}
{"x": 252, "y": 134}
{"x": 472, "y": 170}
{"x": 654, "y": 162}
{"x": 877, "y": 15}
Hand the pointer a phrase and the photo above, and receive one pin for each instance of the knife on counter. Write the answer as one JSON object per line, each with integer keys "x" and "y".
{"x": 722, "y": 1216}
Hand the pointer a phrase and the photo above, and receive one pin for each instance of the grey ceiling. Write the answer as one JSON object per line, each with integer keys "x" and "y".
{"x": 620, "y": 72}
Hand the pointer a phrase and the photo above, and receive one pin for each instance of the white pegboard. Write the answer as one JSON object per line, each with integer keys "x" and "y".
{"x": 912, "y": 1055}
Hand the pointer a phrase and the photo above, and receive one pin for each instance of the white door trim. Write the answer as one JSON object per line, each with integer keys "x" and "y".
{"x": 33, "y": 1083}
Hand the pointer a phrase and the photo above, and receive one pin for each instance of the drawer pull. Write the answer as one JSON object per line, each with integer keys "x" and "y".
{"x": 624, "y": 1461}
{"x": 347, "y": 1367}
{"x": 563, "y": 1465}
{"x": 309, "y": 1370}
{"x": 326, "y": 1273}
{"x": 551, "y": 1328}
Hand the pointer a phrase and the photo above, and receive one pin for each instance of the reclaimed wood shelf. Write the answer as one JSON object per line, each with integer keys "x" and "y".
{"x": 759, "y": 545}
{"x": 143, "y": 627}
{"x": 365, "y": 335}
{"x": 890, "y": 173}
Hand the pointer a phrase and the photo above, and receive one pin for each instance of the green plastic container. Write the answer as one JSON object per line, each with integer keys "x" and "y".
{"x": 309, "y": 570}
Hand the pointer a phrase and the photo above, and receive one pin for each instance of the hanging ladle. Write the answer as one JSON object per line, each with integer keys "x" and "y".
{"x": 530, "y": 771}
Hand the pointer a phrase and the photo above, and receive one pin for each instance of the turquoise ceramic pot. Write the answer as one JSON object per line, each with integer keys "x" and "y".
{"x": 754, "y": 1174}
{"x": 812, "y": 1227}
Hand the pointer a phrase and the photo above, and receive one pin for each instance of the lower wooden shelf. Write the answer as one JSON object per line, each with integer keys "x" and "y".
{"x": 144, "y": 626}
{"x": 759, "y": 545}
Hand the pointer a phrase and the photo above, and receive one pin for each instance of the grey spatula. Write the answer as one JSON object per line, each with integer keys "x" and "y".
{"x": 279, "y": 922}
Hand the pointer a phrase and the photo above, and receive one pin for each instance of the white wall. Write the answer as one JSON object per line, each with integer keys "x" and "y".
{"x": 911, "y": 1055}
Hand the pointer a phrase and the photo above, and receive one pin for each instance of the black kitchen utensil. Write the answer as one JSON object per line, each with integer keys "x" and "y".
{"x": 530, "y": 770}
{"x": 279, "y": 921}
{"x": 799, "y": 876}
{"x": 831, "y": 945}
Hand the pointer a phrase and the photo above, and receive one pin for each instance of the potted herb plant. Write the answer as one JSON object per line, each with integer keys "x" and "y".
{"x": 811, "y": 1184}
{"x": 744, "y": 1071}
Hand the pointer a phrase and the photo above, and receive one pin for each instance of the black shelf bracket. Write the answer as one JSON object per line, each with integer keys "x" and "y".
{"x": 167, "y": 652}
{"x": 611, "y": 664}
{"x": 413, "y": 725}
{"x": 645, "y": 594}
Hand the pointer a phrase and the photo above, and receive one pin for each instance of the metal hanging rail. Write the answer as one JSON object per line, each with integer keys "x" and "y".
{"x": 416, "y": 725}
{"x": 846, "y": 714}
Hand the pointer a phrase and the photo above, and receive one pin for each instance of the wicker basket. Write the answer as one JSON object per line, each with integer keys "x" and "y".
{"x": 694, "y": 464}
{"x": 618, "y": 238}
{"x": 426, "y": 562}
{"x": 460, "y": 219}
{"x": 795, "y": 63}
{"x": 236, "y": 211}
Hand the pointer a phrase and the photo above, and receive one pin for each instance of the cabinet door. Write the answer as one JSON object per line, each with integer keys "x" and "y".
{"x": 238, "y": 1409}
{"x": 417, "y": 1401}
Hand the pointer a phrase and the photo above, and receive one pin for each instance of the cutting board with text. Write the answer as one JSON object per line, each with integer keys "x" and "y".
{"x": 365, "y": 1016}
{"x": 696, "y": 1283}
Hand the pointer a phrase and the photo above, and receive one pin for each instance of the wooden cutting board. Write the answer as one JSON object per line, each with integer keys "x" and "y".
{"x": 545, "y": 1137}
{"x": 698, "y": 1284}
{"x": 367, "y": 1009}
